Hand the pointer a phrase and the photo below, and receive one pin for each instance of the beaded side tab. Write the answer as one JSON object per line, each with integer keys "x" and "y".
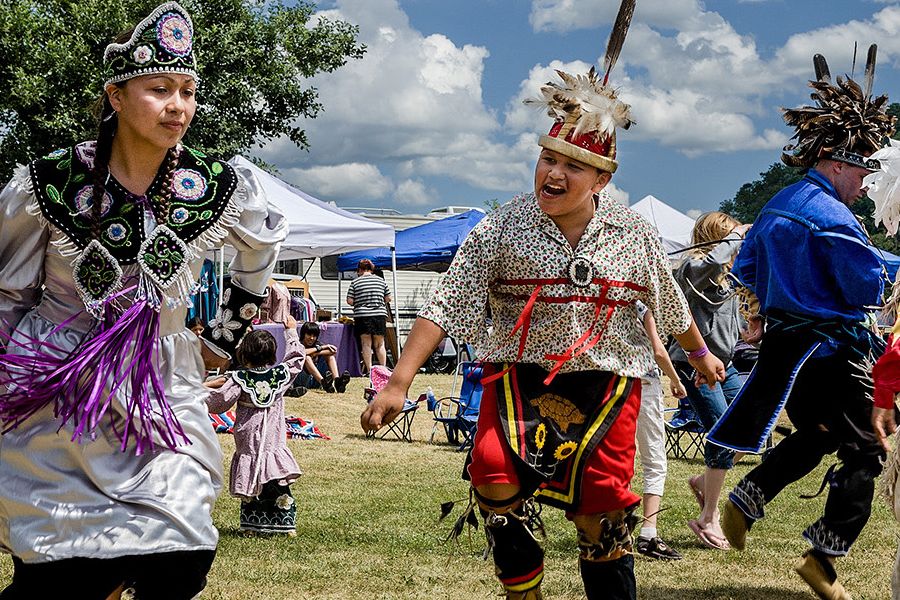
{"x": 97, "y": 277}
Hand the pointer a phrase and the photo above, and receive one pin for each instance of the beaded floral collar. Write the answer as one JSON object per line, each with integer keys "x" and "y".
{"x": 263, "y": 387}
{"x": 201, "y": 193}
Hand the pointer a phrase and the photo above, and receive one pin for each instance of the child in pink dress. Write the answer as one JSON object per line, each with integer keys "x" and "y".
{"x": 263, "y": 467}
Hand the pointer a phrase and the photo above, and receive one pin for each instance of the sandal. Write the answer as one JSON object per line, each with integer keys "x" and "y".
{"x": 707, "y": 538}
{"x": 697, "y": 490}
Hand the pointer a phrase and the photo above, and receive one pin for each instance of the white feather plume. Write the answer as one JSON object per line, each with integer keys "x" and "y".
{"x": 595, "y": 107}
{"x": 884, "y": 187}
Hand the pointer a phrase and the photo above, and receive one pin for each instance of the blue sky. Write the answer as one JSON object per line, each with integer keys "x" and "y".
{"x": 432, "y": 115}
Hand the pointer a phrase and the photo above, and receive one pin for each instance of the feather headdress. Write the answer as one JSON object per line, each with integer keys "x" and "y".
{"x": 845, "y": 124}
{"x": 585, "y": 109}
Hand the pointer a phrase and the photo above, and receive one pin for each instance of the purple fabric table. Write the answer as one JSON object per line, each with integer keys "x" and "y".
{"x": 337, "y": 334}
{"x": 343, "y": 338}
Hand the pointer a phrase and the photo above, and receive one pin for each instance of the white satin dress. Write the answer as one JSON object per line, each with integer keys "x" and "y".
{"x": 61, "y": 499}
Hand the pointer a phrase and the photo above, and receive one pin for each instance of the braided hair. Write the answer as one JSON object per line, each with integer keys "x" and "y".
{"x": 107, "y": 123}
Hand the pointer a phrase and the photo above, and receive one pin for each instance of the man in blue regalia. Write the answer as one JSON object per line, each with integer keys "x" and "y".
{"x": 817, "y": 277}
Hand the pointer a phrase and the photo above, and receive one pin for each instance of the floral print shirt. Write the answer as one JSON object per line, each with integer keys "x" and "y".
{"x": 502, "y": 260}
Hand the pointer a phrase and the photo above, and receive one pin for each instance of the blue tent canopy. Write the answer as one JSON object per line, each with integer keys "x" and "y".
{"x": 428, "y": 247}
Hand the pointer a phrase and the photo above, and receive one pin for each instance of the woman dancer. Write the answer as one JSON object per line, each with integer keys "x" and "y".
{"x": 110, "y": 468}
{"x": 703, "y": 278}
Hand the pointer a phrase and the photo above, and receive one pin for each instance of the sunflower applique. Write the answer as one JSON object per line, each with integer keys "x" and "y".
{"x": 565, "y": 450}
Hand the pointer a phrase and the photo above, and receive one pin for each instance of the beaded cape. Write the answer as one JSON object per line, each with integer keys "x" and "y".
{"x": 63, "y": 187}
{"x": 198, "y": 210}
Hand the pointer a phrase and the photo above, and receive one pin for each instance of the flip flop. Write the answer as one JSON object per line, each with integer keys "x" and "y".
{"x": 697, "y": 491}
{"x": 710, "y": 540}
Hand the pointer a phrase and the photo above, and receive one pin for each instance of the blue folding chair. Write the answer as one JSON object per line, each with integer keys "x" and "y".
{"x": 458, "y": 413}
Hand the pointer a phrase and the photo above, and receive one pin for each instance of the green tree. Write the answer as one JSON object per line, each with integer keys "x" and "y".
{"x": 752, "y": 196}
{"x": 253, "y": 55}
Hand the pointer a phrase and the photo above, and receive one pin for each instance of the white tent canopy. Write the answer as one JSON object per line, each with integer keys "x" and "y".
{"x": 674, "y": 227}
{"x": 317, "y": 229}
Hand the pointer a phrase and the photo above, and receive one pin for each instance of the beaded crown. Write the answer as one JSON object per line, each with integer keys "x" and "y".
{"x": 161, "y": 43}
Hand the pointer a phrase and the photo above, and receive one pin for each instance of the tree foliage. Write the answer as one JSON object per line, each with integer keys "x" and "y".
{"x": 752, "y": 196}
{"x": 253, "y": 56}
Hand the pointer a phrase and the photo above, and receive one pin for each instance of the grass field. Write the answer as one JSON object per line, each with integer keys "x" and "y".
{"x": 368, "y": 528}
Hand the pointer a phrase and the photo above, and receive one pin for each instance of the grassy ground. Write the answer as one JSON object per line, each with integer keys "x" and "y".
{"x": 368, "y": 528}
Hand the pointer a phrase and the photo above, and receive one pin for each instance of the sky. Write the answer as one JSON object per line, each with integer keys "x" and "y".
{"x": 433, "y": 115}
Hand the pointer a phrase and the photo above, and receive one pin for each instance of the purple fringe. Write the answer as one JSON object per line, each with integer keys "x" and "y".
{"x": 75, "y": 382}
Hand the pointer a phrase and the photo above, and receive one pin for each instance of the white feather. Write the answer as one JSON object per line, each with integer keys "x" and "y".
{"x": 884, "y": 187}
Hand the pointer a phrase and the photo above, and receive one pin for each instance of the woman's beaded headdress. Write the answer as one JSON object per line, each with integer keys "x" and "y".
{"x": 161, "y": 43}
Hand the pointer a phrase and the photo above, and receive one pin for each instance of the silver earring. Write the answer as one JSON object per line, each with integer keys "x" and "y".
{"x": 110, "y": 116}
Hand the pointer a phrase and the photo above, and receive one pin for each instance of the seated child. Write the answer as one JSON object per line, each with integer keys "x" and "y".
{"x": 262, "y": 467}
{"x": 309, "y": 337}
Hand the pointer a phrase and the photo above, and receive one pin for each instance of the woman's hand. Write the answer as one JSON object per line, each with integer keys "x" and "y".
{"x": 677, "y": 388}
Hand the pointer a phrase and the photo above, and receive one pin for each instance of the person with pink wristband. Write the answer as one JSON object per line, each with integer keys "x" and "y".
{"x": 702, "y": 275}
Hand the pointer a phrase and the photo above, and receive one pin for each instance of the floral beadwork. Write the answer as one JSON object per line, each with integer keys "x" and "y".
{"x": 284, "y": 502}
{"x": 85, "y": 152}
{"x": 84, "y": 201}
{"x": 116, "y": 232}
{"x": 142, "y": 54}
{"x": 188, "y": 184}
{"x": 248, "y": 311}
{"x": 263, "y": 385}
{"x": 174, "y": 34}
{"x": 223, "y": 326}
{"x": 180, "y": 214}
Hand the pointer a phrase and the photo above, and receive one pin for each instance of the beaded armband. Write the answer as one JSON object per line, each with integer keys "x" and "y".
{"x": 234, "y": 317}
{"x": 748, "y": 303}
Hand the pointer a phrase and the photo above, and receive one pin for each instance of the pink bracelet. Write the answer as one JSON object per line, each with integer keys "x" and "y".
{"x": 699, "y": 352}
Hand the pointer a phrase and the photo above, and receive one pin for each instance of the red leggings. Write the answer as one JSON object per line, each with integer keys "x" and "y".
{"x": 606, "y": 482}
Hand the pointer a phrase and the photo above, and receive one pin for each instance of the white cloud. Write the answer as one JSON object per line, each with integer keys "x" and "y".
{"x": 413, "y": 100}
{"x": 694, "y": 212}
{"x": 414, "y": 192}
{"x": 836, "y": 44}
{"x": 340, "y": 183}
{"x": 618, "y": 194}
{"x": 566, "y": 15}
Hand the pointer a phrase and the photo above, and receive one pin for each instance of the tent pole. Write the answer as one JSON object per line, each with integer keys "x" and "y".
{"x": 339, "y": 299}
{"x": 396, "y": 298}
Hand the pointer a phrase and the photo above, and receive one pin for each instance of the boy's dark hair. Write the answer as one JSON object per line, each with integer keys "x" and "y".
{"x": 195, "y": 322}
{"x": 309, "y": 327}
{"x": 257, "y": 349}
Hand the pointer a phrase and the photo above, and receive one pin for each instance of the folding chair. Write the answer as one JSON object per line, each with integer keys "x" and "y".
{"x": 459, "y": 413}
{"x": 685, "y": 435}
{"x": 401, "y": 427}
